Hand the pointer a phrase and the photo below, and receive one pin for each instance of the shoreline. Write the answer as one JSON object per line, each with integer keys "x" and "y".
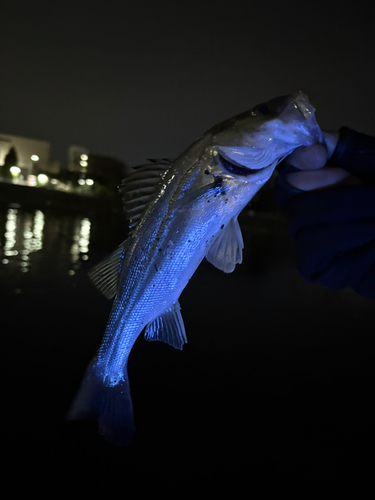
{"x": 48, "y": 198}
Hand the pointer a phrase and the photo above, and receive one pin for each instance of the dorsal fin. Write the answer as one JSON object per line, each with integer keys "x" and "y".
{"x": 138, "y": 186}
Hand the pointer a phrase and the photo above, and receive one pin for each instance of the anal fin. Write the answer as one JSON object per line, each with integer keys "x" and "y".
{"x": 169, "y": 327}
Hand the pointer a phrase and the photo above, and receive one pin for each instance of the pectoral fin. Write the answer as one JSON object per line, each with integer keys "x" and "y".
{"x": 169, "y": 327}
{"x": 226, "y": 250}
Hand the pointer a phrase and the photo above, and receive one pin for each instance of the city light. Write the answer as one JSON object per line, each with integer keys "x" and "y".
{"x": 34, "y": 157}
{"x": 31, "y": 180}
{"x": 89, "y": 182}
{"x": 83, "y": 163}
{"x": 84, "y": 157}
{"x": 15, "y": 171}
{"x": 42, "y": 178}
{"x": 81, "y": 182}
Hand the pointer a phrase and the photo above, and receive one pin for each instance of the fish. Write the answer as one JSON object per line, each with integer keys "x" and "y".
{"x": 179, "y": 212}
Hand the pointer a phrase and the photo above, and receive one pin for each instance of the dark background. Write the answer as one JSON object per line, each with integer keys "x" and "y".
{"x": 273, "y": 393}
{"x": 143, "y": 79}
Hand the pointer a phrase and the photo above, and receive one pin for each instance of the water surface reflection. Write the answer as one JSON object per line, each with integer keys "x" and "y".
{"x": 25, "y": 232}
{"x": 81, "y": 239}
{"x": 22, "y": 236}
{"x": 44, "y": 250}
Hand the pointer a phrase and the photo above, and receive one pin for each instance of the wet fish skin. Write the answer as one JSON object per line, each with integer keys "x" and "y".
{"x": 189, "y": 211}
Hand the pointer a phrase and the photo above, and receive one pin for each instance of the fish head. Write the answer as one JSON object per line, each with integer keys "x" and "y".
{"x": 250, "y": 145}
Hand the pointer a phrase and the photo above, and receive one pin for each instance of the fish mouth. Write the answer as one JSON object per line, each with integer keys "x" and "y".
{"x": 300, "y": 102}
{"x": 236, "y": 169}
{"x": 302, "y": 109}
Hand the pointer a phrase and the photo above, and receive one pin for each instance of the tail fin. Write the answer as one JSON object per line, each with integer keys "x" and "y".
{"x": 111, "y": 406}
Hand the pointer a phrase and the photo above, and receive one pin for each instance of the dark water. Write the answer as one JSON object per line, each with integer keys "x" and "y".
{"x": 272, "y": 394}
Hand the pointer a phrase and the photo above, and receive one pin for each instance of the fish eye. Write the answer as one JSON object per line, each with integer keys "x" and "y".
{"x": 261, "y": 109}
{"x": 264, "y": 109}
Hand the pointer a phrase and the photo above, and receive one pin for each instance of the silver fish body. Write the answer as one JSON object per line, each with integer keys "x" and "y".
{"x": 181, "y": 211}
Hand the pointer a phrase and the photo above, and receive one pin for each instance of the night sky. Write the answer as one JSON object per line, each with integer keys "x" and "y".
{"x": 143, "y": 79}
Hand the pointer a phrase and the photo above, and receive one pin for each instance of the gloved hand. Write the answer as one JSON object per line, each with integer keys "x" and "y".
{"x": 328, "y": 194}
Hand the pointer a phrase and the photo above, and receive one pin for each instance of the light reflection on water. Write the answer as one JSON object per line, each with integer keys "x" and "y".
{"x": 81, "y": 240}
{"x": 22, "y": 236}
{"x": 32, "y": 241}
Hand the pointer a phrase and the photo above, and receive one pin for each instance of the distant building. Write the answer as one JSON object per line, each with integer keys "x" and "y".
{"x": 108, "y": 171}
{"x": 77, "y": 158}
{"x": 32, "y": 154}
{"x": 102, "y": 169}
